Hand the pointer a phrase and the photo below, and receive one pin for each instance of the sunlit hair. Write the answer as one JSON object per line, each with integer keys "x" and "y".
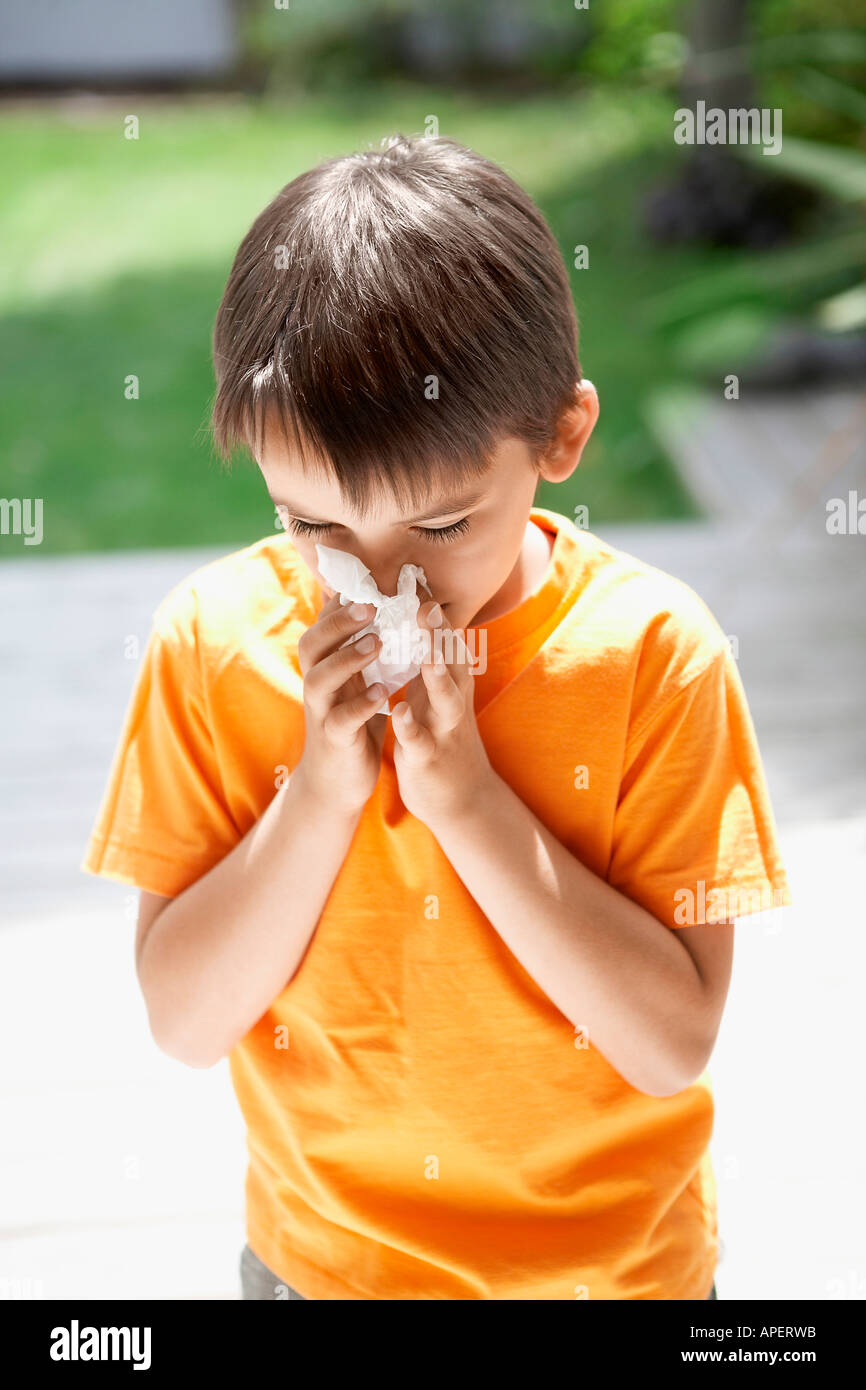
{"x": 395, "y": 314}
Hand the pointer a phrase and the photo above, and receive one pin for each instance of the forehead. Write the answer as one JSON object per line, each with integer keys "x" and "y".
{"x": 310, "y": 489}
{"x": 318, "y": 495}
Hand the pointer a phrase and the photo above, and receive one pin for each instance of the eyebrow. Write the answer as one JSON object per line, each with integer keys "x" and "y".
{"x": 453, "y": 504}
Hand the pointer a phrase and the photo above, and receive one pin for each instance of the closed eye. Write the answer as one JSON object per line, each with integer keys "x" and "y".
{"x": 433, "y": 533}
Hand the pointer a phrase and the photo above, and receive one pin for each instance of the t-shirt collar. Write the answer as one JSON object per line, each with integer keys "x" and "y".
{"x": 561, "y": 576}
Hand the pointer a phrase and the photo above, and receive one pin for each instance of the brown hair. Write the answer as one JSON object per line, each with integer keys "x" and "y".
{"x": 372, "y": 274}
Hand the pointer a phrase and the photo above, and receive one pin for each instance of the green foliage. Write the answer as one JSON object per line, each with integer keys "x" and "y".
{"x": 116, "y": 252}
{"x": 839, "y": 172}
{"x": 725, "y": 341}
{"x": 319, "y": 45}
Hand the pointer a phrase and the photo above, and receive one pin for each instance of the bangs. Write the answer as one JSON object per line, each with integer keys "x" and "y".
{"x": 398, "y": 468}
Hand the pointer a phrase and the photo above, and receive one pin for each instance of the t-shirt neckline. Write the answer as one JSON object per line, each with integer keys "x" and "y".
{"x": 560, "y": 575}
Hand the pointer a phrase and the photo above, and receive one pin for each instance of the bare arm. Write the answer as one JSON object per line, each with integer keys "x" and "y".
{"x": 211, "y": 960}
{"x": 649, "y": 997}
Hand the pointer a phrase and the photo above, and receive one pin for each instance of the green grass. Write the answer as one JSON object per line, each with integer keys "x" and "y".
{"x": 116, "y": 254}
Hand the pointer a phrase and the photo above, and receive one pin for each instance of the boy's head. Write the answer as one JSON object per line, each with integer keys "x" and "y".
{"x": 397, "y": 333}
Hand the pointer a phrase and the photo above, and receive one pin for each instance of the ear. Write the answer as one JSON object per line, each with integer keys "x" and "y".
{"x": 576, "y": 424}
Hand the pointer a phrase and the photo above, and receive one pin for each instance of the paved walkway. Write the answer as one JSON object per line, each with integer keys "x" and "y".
{"x": 121, "y": 1171}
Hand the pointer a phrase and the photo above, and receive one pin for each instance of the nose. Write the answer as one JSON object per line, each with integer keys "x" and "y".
{"x": 385, "y": 563}
{"x": 387, "y": 586}
{"x": 385, "y": 575}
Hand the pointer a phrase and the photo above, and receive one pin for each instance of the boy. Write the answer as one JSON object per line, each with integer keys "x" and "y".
{"x": 467, "y": 968}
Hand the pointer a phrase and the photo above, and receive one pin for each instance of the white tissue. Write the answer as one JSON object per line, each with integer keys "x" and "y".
{"x": 404, "y": 643}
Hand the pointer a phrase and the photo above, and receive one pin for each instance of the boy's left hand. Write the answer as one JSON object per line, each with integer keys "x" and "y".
{"x": 441, "y": 763}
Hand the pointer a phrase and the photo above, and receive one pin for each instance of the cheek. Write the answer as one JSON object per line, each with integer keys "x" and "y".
{"x": 307, "y": 551}
{"x": 458, "y": 574}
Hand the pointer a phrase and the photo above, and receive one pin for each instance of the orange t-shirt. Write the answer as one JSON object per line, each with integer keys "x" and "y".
{"x": 422, "y": 1121}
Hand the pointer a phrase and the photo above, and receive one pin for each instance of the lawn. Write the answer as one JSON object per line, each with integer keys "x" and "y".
{"x": 116, "y": 253}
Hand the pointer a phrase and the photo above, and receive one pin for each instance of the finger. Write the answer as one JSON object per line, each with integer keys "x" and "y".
{"x": 344, "y": 719}
{"x": 330, "y": 604}
{"x": 425, "y": 610}
{"x": 449, "y": 642}
{"x": 333, "y": 626}
{"x": 447, "y": 700}
{"x": 415, "y": 740}
{"x": 328, "y": 676}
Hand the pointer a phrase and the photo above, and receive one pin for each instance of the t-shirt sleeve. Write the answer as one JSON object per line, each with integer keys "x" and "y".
{"x": 694, "y": 837}
{"x": 164, "y": 820}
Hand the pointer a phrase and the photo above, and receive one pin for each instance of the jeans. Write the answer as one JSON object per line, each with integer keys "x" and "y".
{"x": 257, "y": 1281}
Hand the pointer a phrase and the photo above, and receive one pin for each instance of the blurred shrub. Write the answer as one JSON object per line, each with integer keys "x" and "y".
{"x": 336, "y": 42}
{"x": 807, "y": 59}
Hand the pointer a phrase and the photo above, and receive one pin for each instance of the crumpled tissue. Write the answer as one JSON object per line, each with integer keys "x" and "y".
{"x": 405, "y": 644}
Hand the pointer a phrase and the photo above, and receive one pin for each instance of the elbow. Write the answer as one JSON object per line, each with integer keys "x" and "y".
{"x": 186, "y": 1055}
{"x": 662, "y": 1092}
{"x": 181, "y": 1047}
{"x": 180, "y": 1043}
{"x": 680, "y": 1076}
{"x": 200, "y": 1063}
{"x": 686, "y": 1057}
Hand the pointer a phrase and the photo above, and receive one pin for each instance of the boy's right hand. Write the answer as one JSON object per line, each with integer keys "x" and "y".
{"x": 343, "y": 736}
